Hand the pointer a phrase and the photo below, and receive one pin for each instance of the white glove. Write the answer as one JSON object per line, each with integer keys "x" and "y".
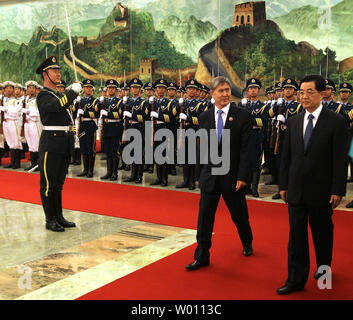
{"x": 127, "y": 114}
{"x": 104, "y": 113}
{"x": 181, "y": 101}
{"x": 78, "y": 99}
{"x": 76, "y": 87}
{"x": 80, "y": 112}
{"x": 1, "y": 96}
{"x": 100, "y": 122}
{"x": 273, "y": 102}
{"x": 183, "y": 116}
{"x": 213, "y": 101}
{"x": 280, "y": 101}
{"x": 154, "y": 114}
{"x": 101, "y": 99}
{"x": 151, "y": 100}
{"x": 25, "y": 111}
{"x": 2, "y": 109}
{"x": 244, "y": 101}
{"x": 124, "y": 99}
{"x": 281, "y": 118}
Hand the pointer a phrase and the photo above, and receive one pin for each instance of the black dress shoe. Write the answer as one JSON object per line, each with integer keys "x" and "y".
{"x": 318, "y": 274}
{"x": 197, "y": 265}
{"x": 248, "y": 250}
{"x": 64, "y": 223}
{"x": 277, "y": 196}
{"x": 350, "y": 205}
{"x": 54, "y": 226}
{"x": 138, "y": 180}
{"x": 287, "y": 289}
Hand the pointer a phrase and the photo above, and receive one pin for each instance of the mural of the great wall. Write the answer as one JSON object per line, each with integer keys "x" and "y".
{"x": 173, "y": 39}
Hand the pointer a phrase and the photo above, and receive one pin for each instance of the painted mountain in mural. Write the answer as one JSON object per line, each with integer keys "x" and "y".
{"x": 189, "y": 35}
{"x": 303, "y": 24}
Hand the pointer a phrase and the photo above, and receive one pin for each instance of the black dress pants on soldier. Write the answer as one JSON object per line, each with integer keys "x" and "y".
{"x": 53, "y": 168}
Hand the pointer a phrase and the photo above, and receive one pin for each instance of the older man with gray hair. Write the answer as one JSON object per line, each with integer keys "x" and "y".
{"x": 224, "y": 116}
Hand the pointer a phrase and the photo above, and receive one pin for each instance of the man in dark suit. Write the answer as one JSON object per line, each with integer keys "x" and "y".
{"x": 312, "y": 181}
{"x": 224, "y": 116}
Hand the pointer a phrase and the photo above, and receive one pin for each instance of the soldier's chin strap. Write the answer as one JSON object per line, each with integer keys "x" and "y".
{"x": 50, "y": 78}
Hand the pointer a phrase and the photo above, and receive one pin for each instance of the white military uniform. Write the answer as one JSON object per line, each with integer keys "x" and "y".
{"x": 32, "y": 126}
{"x": 13, "y": 122}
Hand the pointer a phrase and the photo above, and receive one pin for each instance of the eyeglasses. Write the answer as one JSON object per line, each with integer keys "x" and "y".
{"x": 308, "y": 92}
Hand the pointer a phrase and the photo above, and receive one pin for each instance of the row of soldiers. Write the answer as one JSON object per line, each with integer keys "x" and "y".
{"x": 20, "y": 122}
{"x": 170, "y": 106}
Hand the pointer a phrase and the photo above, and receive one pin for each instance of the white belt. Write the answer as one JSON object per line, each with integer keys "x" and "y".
{"x": 256, "y": 127}
{"x": 56, "y": 128}
{"x": 133, "y": 122}
{"x": 110, "y": 120}
{"x": 87, "y": 119}
{"x": 160, "y": 122}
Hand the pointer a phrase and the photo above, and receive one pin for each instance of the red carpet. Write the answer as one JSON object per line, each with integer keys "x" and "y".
{"x": 230, "y": 276}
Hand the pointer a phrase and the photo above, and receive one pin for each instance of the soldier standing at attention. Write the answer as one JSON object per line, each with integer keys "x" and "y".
{"x": 55, "y": 143}
{"x": 88, "y": 111}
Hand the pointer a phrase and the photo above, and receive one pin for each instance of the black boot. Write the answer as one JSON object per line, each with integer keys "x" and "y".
{"x": 255, "y": 184}
{"x": 115, "y": 162}
{"x": 12, "y": 162}
{"x": 109, "y": 169}
{"x": 173, "y": 170}
{"x": 159, "y": 176}
{"x": 164, "y": 175}
{"x": 186, "y": 172}
{"x": 139, "y": 173}
{"x": 77, "y": 157}
{"x": 35, "y": 160}
{"x": 133, "y": 175}
{"x": 85, "y": 159}
{"x": 50, "y": 214}
{"x": 17, "y": 160}
{"x": 150, "y": 168}
{"x": 91, "y": 160}
{"x": 32, "y": 163}
{"x": 59, "y": 212}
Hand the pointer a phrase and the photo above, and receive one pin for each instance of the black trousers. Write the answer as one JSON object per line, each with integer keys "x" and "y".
{"x": 238, "y": 209}
{"x": 53, "y": 169}
{"x": 321, "y": 225}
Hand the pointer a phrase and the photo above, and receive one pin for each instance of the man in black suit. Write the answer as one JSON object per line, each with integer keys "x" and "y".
{"x": 238, "y": 123}
{"x": 312, "y": 181}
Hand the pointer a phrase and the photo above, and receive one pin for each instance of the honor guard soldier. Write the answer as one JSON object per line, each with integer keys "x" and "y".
{"x": 149, "y": 92}
{"x": 12, "y": 122}
{"x": 171, "y": 91}
{"x": 56, "y": 142}
{"x": 345, "y": 91}
{"x": 136, "y": 117}
{"x": 88, "y": 111}
{"x": 284, "y": 109}
{"x": 258, "y": 111}
{"x": 165, "y": 112}
{"x": 32, "y": 125}
{"x": 192, "y": 111}
{"x": 112, "y": 127}
{"x": 124, "y": 93}
{"x": 328, "y": 102}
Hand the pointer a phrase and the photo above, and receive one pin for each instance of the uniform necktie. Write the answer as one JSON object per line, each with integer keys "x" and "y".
{"x": 308, "y": 131}
{"x": 219, "y": 125}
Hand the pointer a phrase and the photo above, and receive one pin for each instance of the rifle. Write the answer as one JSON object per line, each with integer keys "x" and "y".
{"x": 79, "y": 120}
{"x": 102, "y": 127}
{"x": 276, "y": 150}
{"x": 153, "y": 123}
{"x": 23, "y": 118}
{"x": 2, "y": 116}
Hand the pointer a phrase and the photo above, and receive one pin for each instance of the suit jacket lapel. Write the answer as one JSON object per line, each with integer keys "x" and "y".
{"x": 230, "y": 115}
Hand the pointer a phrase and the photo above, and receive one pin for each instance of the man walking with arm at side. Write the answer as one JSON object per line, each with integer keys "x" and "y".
{"x": 224, "y": 116}
{"x": 312, "y": 181}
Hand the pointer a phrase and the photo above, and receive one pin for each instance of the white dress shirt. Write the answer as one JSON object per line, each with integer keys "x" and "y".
{"x": 224, "y": 114}
{"x": 316, "y": 115}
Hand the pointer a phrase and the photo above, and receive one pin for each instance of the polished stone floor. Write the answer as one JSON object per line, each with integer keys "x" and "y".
{"x": 38, "y": 264}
